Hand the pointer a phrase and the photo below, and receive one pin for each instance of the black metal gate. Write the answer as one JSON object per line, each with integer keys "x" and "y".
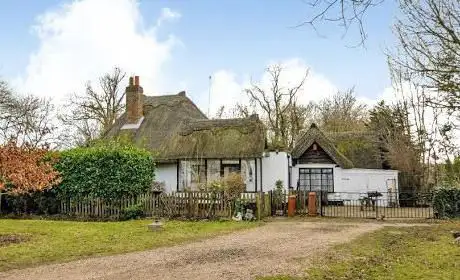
{"x": 377, "y": 205}
{"x": 372, "y": 205}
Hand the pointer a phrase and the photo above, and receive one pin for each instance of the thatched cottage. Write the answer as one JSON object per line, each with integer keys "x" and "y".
{"x": 192, "y": 150}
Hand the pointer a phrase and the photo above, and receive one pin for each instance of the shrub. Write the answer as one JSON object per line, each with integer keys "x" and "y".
{"x": 132, "y": 212}
{"x": 233, "y": 186}
{"x": 230, "y": 188}
{"x": 446, "y": 202}
{"x": 26, "y": 169}
{"x": 108, "y": 170}
{"x": 39, "y": 203}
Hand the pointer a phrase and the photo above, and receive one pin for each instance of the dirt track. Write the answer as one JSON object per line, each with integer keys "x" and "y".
{"x": 276, "y": 248}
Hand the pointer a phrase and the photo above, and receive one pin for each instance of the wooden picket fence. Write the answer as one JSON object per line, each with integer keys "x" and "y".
{"x": 199, "y": 205}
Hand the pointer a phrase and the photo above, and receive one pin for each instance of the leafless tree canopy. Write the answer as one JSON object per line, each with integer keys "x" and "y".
{"x": 342, "y": 112}
{"x": 429, "y": 49}
{"x": 25, "y": 119}
{"x": 94, "y": 111}
{"x": 345, "y": 13}
{"x": 278, "y": 107}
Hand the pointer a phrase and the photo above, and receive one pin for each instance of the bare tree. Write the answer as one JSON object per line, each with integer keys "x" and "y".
{"x": 428, "y": 50}
{"x": 426, "y": 65}
{"x": 342, "y": 112}
{"x": 5, "y": 93}
{"x": 25, "y": 119}
{"x": 95, "y": 111}
{"x": 345, "y": 13}
{"x": 276, "y": 106}
{"x": 300, "y": 116}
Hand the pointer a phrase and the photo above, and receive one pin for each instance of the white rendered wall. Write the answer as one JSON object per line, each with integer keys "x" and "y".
{"x": 274, "y": 168}
{"x": 358, "y": 182}
{"x": 352, "y": 184}
{"x": 367, "y": 180}
{"x": 167, "y": 173}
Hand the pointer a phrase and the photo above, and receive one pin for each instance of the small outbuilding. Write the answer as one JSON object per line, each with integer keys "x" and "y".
{"x": 322, "y": 162}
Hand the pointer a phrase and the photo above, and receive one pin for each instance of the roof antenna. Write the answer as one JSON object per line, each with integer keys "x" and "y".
{"x": 209, "y": 95}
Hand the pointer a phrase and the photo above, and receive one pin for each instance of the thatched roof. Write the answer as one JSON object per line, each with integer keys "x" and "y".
{"x": 314, "y": 135}
{"x": 362, "y": 148}
{"x": 175, "y": 128}
{"x": 347, "y": 149}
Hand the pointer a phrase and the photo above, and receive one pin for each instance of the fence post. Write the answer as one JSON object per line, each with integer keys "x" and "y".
{"x": 321, "y": 203}
{"x": 376, "y": 207}
{"x": 259, "y": 205}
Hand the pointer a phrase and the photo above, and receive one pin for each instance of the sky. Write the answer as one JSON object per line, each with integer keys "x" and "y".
{"x": 52, "y": 47}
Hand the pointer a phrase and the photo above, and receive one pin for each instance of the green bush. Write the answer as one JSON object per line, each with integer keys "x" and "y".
{"x": 132, "y": 212}
{"x": 108, "y": 170}
{"x": 38, "y": 203}
{"x": 446, "y": 202}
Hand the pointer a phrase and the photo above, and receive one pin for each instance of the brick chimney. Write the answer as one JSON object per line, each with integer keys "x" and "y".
{"x": 134, "y": 100}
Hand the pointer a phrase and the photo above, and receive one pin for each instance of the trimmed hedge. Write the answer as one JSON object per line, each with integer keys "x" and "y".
{"x": 446, "y": 202}
{"x": 107, "y": 170}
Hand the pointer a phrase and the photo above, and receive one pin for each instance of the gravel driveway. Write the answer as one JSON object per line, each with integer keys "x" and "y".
{"x": 276, "y": 248}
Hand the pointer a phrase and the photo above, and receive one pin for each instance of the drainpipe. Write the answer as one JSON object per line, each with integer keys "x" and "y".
{"x": 289, "y": 170}
{"x": 255, "y": 161}
{"x": 261, "y": 176}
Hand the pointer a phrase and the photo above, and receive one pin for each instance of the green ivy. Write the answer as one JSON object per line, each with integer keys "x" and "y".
{"x": 446, "y": 202}
{"x": 109, "y": 170}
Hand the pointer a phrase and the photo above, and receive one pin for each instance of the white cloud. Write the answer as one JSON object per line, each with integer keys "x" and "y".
{"x": 226, "y": 90}
{"x": 227, "y": 87}
{"x": 81, "y": 40}
{"x": 167, "y": 15}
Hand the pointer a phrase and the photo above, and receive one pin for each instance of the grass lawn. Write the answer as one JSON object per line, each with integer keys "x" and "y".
{"x": 57, "y": 241}
{"x": 397, "y": 253}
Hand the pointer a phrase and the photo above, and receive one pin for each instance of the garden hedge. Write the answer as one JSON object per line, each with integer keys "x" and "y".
{"x": 108, "y": 170}
{"x": 446, "y": 202}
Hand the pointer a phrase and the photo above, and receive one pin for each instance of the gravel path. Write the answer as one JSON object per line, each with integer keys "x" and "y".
{"x": 276, "y": 248}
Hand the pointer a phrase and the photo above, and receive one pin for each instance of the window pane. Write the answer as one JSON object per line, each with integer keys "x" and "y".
{"x": 316, "y": 179}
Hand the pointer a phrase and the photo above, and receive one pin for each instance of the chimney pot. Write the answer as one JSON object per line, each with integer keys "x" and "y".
{"x": 131, "y": 81}
{"x": 136, "y": 80}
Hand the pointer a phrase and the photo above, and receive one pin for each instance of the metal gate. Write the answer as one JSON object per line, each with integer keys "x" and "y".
{"x": 378, "y": 205}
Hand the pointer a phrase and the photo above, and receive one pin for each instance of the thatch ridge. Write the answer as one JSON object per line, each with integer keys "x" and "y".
{"x": 244, "y": 125}
{"x": 153, "y": 102}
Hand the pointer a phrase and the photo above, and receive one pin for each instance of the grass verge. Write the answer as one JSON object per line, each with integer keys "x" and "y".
{"x": 59, "y": 241}
{"x": 392, "y": 253}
